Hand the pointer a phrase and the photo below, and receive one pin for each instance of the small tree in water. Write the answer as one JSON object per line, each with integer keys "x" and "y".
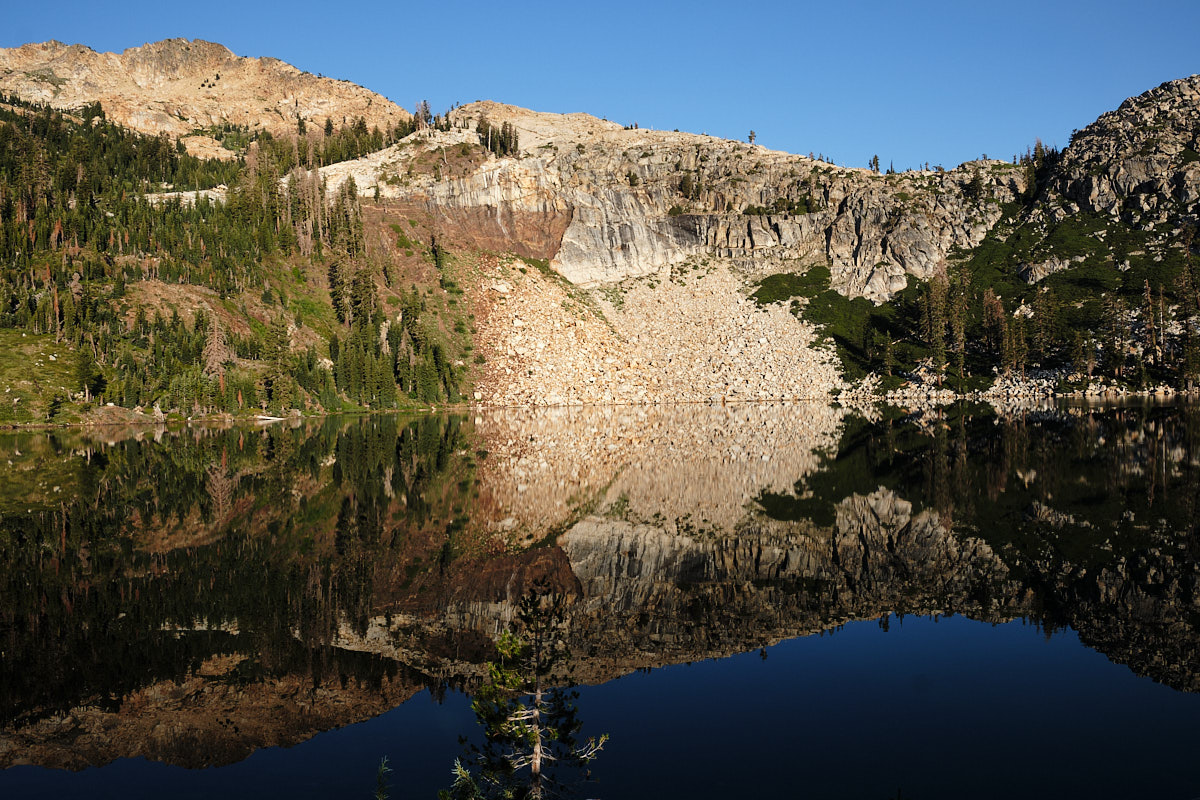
{"x": 530, "y": 729}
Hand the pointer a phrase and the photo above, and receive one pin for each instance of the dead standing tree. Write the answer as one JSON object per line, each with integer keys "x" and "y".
{"x": 217, "y": 352}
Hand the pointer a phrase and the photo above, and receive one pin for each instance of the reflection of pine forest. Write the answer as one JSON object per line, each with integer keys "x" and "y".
{"x": 1095, "y": 515}
{"x": 1111, "y": 469}
{"x": 154, "y": 550}
{"x": 286, "y": 261}
{"x": 284, "y": 533}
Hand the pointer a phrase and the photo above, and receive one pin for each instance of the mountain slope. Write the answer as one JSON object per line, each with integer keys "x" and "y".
{"x": 646, "y": 248}
{"x": 1140, "y": 163}
{"x": 1136, "y": 169}
{"x": 1098, "y": 265}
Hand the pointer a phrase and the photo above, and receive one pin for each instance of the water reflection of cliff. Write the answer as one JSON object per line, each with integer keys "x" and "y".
{"x": 193, "y": 600}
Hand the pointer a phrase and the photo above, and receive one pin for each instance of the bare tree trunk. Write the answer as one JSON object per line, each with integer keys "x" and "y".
{"x": 535, "y": 764}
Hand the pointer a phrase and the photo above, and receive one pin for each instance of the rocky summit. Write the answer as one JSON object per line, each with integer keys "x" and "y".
{"x": 1140, "y": 162}
{"x": 187, "y": 89}
{"x": 1137, "y": 168}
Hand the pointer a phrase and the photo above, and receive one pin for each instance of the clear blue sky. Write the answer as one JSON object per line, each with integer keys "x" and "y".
{"x": 941, "y": 81}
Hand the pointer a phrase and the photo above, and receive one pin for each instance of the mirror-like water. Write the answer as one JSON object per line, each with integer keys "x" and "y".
{"x": 789, "y": 599}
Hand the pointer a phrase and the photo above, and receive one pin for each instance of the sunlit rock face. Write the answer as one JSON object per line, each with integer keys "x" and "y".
{"x": 1139, "y": 161}
{"x": 1133, "y": 174}
{"x": 607, "y": 204}
{"x": 177, "y": 87}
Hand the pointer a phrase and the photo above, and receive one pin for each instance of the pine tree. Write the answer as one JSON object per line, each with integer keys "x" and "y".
{"x": 1115, "y": 336}
{"x": 995, "y": 324}
{"x": 86, "y": 372}
{"x": 1019, "y": 345}
{"x": 934, "y": 315}
{"x": 530, "y": 729}
{"x": 363, "y": 298}
{"x": 1150, "y": 338}
{"x": 959, "y": 309}
{"x": 337, "y": 293}
{"x": 278, "y": 360}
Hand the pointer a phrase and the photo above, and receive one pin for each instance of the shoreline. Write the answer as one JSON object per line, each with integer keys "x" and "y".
{"x": 924, "y": 398}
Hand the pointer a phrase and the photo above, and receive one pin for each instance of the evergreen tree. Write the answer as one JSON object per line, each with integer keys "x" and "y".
{"x": 278, "y": 376}
{"x": 86, "y": 372}
{"x": 935, "y": 323}
{"x": 337, "y": 293}
{"x": 530, "y": 729}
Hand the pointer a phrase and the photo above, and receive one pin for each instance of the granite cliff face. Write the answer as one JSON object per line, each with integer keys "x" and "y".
{"x": 179, "y": 87}
{"x": 628, "y": 203}
{"x": 625, "y": 203}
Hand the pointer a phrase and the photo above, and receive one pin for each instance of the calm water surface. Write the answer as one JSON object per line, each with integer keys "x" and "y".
{"x": 780, "y": 600}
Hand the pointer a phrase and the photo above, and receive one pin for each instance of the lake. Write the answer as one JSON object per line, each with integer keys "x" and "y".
{"x": 780, "y": 600}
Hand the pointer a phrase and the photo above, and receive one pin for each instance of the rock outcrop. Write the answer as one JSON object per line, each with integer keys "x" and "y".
{"x": 637, "y": 202}
{"x": 1139, "y": 163}
{"x": 179, "y": 88}
{"x": 1129, "y": 183}
{"x": 634, "y": 202}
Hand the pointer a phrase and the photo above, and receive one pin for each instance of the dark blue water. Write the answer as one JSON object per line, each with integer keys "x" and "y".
{"x": 928, "y": 709}
{"x": 946, "y": 709}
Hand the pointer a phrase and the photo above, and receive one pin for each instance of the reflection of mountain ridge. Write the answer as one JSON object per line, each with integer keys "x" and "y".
{"x": 214, "y": 715}
{"x": 352, "y": 573}
{"x": 1141, "y": 610}
{"x": 1044, "y": 516}
{"x": 684, "y": 597}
